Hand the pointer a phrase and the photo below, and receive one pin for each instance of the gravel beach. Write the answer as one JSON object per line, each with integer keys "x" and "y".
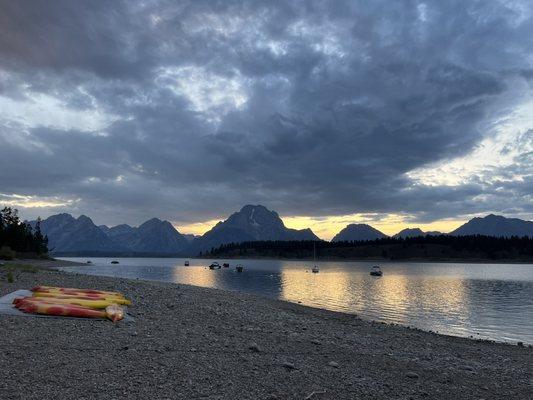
{"x": 196, "y": 343}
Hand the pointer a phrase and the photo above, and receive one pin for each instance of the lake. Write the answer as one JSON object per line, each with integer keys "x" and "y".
{"x": 489, "y": 301}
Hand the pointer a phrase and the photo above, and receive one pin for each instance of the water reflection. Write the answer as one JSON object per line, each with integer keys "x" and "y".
{"x": 315, "y": 289}
{"x": 193, "y": 275}
{"x": 489, "y": 301}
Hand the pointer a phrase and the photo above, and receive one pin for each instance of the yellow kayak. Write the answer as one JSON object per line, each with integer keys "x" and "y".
{"x": 75, "y": 290}
{"x": 95, "y": 304}
{"x": 58, "y": 295}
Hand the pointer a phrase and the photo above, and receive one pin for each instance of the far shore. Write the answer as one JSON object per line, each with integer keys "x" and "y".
{"x": 45, "y": 263}
{"x": 374, "y": 260}
{"x": 189, "y": 342}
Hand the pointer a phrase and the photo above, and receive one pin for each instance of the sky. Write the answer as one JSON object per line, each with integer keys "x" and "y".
{"x": 394, "y": 114}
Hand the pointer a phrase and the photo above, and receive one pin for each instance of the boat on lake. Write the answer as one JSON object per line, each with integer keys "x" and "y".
{"x": 115, "y": 262}
{"x": 376, "y": 271}
{"x": 225, "y": 265}
{"x": 186, "y": 263}
{"x": 239, "y": 268}
{"x": 214, "y": 265}
{"x": 315, "y": 269}
{"x": 89, "y": 262}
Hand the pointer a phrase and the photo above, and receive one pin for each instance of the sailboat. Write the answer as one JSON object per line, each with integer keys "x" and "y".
{"x": 315, "y": 268}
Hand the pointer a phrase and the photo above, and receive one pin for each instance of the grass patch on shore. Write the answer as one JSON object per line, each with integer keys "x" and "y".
{"x": 10, "y": 269}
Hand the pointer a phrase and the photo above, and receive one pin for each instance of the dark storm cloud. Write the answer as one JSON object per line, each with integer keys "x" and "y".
{"x": 187, "y": 110}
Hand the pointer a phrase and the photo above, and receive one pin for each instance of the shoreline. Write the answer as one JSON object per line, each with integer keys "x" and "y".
{"x": 191, "y": 342}
{"x": 57, "y": 264}
{"x": 370, "y": 260}
{"x": 50, "y": 263}
{"x": 311, "y": 308}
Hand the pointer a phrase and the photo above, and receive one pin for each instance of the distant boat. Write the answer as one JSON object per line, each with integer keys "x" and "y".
{"x": 315, "y": 269}
{"x": 89, "y": 262}
{"x": 214, "y": 265}
{"x": 376, "y": 271}
{"x": 186, "y": 263}
{"x": 239, "y": 268}
{"x": 114, "y": 262}
{"x": 225, "y": 265}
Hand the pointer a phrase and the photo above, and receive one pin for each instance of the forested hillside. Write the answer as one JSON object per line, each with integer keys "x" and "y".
{"x": 432, "y": 248}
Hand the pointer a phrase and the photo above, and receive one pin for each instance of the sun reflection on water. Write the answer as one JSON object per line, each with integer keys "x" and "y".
{"x": 308, "y": 288}
{"x": 392, "y": 297}
{"x": 195, "y": 275}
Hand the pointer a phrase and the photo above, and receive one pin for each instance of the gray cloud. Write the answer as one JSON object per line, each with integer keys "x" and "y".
{"x": 187, "y": 110}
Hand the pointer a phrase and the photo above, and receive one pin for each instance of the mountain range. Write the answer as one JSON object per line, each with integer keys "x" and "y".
{"x": 68, "y": 235}
{"x": 153, "y": 236}
{"x": 80, "y": 236}
{"x": 414, "y": 232}
{"x": 76, "y": 235}
{"x": 495, "y": 225}
{"x": 251, "y": 223}
{"x": 354, "y": 232}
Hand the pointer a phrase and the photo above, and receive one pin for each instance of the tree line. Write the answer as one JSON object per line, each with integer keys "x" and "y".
{"x": 19, "y": 236}
{"x": 441, "y": 247}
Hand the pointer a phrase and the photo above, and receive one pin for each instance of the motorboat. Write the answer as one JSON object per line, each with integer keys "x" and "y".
{"x": 115, "y": 262}
{"x": 239, "y": 268}
{"x": 376, "y": 271}
{"x": 214, "y": 265}
{"x": 186, "y": 263}
{"x": 225, "y": 265}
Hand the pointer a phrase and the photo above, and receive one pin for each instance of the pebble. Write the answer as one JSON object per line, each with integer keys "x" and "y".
{"x": 288, "y": 365}
{"x": 255, "y": 348}
{"x": 412, "y": 375}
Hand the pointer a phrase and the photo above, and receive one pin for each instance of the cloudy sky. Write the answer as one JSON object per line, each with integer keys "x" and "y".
{"x": 394, "y": 113}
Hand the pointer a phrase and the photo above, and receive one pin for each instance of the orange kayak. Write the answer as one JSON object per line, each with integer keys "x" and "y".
{"x": 44, "y": 307}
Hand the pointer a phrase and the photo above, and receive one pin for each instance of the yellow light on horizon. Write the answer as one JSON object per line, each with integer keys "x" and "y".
{"x": 196, "y": 228}
{"x": 328, "y": 226}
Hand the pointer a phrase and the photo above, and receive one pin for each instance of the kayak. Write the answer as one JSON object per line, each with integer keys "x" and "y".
{"x": 95, "y": 304}
{"x": 37, "y": 306}
{"x": 79, "y": 294}
{"x": 59, "y": 295}
{"x": 73, "y": 302}
{"x": 75, "y": 290}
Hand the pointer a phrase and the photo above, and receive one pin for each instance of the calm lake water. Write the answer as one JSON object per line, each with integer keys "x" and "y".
{"x": 491, "y": 301}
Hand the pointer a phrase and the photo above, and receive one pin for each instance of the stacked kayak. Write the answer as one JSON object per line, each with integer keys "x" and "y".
{"x": 74, "y": 302}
